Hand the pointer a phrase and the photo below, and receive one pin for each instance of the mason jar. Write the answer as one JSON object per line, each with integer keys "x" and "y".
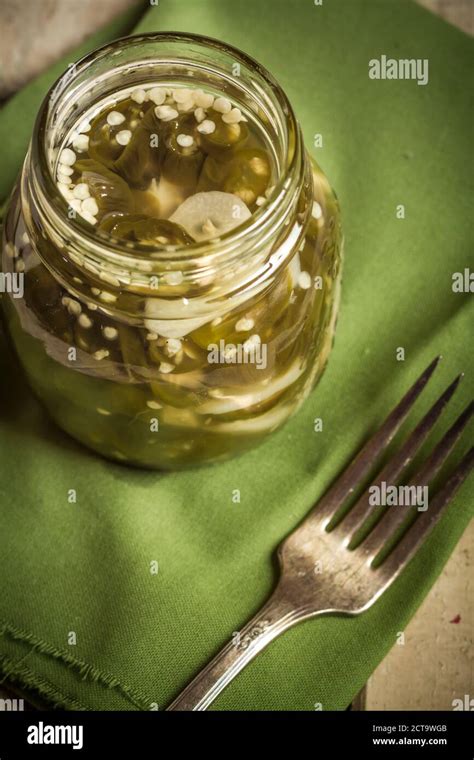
{"x": 154, "y": 353}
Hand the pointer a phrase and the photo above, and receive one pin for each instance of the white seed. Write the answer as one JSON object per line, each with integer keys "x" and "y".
{"x": 107, "y": 297}
{"x": 144, "y": 266}
{"x": 114, "y": 118}
{"x": 260, "y": 200}
{"x": 64, "y": 169}
{"x": 91, "y": 268}
{"x": 223, "y": 105}
{"x": 200, "y": 114}
{"x": 25, "y": 239}
{"x": 84, "y": 126}
{"x": 233, "y": 117}
{"x": 123, "y": 137}
{"x": 95, "y": 291}
{"x": 206, "y": 127}
{"x": 88, "y": 217}
{"x": 67, "y": 157}
{"x": 75, "y": 204}
{"x": 166, "y": 113}
{"x": 105, "y": 412}
{"x": 258, "y": 166}
{"x": 153, "y": 404}
{"x": 73, "y": 307}
{"x": 89, "y": 206}
{"x": 20, "y": 266}
{"x": 186, "y": 107}
{"x": 85, "y": 321}
{"x": 186, "y": 141}
{"x": 173, "y": 278}
{"x": 65, "y": 190}
{"x": 64, "y": 179}
{"x": 317, "y": 211}
{"x": 11, "y": 251}
{"x": 138, "y": 95}
{"x": 107, "y": 277}
{"x": 209, "y": 228}
{"x": 157, "y": 95}
{"x": 182, "y": 95}
{"x": 304, "y": 280}
{"x": 102, "y": 353}
{"x": 252, "y": 342}
{"x": 165, "y": 367}
{"x": 81, "y": 143}
{"x": 244, "y": 325}
{"x": 110, "y": 333}
{"x": 77, "y": 259}
{"x": 81, "y": 191}
{"x": 172, "y": 346}
{"x": 92, "y": 306}
{"x": 203, "y": 99}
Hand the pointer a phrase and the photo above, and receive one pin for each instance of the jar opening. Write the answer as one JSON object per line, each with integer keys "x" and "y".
{"x": 134, "y": 60}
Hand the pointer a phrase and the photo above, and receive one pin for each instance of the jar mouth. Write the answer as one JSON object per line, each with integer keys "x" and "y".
{"x": 68, "y": 89}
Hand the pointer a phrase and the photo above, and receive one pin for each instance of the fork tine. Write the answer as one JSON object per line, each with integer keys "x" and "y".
{"x": 395, "y": 516}
{"x": 394, "y": 468}
{"x": 417, "y": 533}
{"x": 365, "y": 459}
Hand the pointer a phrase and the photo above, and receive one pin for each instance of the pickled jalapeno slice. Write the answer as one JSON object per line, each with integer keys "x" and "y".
{"x": 260, "y": 317}
{"x": 146, "y": 229}
{"x": 110, "y": 191}
{"x": 213, "y": 174}
{"x": 105, "y": 128}
{"x": 225, "y": 137}
{"x": 141, "y": 160}
{"x": 183, "y": 158}
{"x": 43, "y": 296}
{"x": 133, "y": 350}
{"x": 248, "y": 174}
{"x": 245, "y": 174}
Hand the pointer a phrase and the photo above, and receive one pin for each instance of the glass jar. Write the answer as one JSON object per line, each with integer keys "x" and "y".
{"x": 164, "y": 356}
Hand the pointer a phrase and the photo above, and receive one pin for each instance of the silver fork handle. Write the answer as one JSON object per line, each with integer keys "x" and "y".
{"x": 276, "y": 616}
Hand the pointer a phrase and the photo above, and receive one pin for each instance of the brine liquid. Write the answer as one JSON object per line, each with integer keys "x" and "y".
{"x": 166, "y": 165}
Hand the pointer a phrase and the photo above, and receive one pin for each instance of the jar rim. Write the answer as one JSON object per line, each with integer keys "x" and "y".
{"x": 233, "y": 240}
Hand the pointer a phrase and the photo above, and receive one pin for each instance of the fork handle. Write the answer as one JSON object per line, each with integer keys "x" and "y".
{"x": 276, "y": 616}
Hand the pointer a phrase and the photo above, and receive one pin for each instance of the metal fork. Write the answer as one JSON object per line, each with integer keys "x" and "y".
{"x": 350, "y": 577}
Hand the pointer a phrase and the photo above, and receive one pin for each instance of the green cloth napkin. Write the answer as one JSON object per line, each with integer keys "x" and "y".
{"x": 85, "y": 567}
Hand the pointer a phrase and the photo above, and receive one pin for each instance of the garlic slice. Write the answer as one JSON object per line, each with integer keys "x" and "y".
{"x": 233, "y": 401}
{"x": 175, "y": 328}
{"x": 263, "y": 423}
{"x": 208, "y": 215}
